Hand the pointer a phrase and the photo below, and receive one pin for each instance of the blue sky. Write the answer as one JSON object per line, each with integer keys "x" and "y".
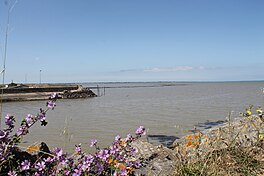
{"x": 133, "y": 40}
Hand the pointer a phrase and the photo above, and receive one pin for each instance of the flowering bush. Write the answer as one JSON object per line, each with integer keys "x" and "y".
{"x": 39, "y": 160}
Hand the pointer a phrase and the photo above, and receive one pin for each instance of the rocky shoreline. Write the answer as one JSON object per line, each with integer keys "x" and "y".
{"x": 237, "y": 135}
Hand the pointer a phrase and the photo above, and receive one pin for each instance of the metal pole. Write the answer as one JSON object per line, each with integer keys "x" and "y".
{"x": 40, "y": 76}
{"x": 26, "y": 78}
{"x": 98, "y": 91}
{"x": 10, "y": 8}
{"x": 4, "y": 64}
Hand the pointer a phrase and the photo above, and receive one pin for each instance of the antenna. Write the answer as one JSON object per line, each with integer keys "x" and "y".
{"x": 10, "y": 8}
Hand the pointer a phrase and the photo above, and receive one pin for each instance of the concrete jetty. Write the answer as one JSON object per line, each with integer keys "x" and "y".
{"x": 30, "y": 92}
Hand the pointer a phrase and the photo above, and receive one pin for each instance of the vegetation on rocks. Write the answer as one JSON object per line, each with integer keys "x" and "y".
{"x": 236, "y": 148}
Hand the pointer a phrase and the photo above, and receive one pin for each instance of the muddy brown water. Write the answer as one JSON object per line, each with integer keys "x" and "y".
{"x": 167, "y": 110}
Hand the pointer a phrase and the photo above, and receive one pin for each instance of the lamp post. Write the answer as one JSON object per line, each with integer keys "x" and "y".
{"x": 26, "y": 78}
{"x": 40, "y": 76}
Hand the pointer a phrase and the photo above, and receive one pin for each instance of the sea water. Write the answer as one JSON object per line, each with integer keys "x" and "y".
{"x": 166, "y": 109}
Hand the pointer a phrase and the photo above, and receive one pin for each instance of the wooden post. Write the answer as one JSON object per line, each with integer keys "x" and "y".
{"x": 98, "y": 91}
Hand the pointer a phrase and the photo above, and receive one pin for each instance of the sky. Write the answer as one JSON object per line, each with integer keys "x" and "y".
{"x": 57, "y": 41}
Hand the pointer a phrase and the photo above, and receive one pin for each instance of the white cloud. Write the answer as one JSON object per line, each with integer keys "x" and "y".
{"x": 171, "y": 69}
{"x": 201, "y": 68}
{"x": 163, "y": 69}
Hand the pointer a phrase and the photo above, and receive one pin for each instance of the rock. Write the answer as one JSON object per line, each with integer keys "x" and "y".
{"x": 240, "y": 132}
{"x": 81, "y": 92}
{"x": 156, "y": 160}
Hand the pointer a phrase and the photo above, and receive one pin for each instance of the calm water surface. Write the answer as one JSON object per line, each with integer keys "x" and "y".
{"x": 163, "y": 108}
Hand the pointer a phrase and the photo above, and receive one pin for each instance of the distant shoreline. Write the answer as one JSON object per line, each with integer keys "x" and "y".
{"x": 133, "y": 82}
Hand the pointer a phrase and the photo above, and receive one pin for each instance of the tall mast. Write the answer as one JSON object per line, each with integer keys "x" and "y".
{"x": 10, "y": 8}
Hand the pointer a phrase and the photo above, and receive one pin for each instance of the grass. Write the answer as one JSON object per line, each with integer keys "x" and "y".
{"x": 224, "y": 162}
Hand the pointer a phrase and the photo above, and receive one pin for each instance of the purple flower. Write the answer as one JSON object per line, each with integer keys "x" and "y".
{"x": 86, "y": 165}
{"x": 12, "y": 173}
{"x": 133, "y": 151}
{"x": 103, "y": 154}
{"x": 42, "y": 115}
{"x": 25, "y": 165}
{"x": 23, "y": 130}
{"x": 140, "y": 131}
{"x": 128, "y": 138}
{"x": 19, "y": 131}
{"x": 137, "y": 164}
{"x": 78, "y": 148}
{"x": 93, "y": 142}
{"x": 99, "y": 168}
{"x": 67, "y": 172}
{"x": 2, "y": 134}
{"x": 113, "y": 149}
{"x": 130, "y": 164}
{"x": 117, "y": 138}
{"x": 40, "y": 166}
{"x": 78, "y": 171}
{"x": 51, "y": 104}
{"x": 58, "y": 152}
{"x": 123, "y": 172}
{"x": 9, "y": 120}
{"x": 64, "y": 162}
{"x": 89, "y": 159}
{"x": 29, "y": 119}
{"x": 120, "y": 157}
{"x": 48, "y": 160}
